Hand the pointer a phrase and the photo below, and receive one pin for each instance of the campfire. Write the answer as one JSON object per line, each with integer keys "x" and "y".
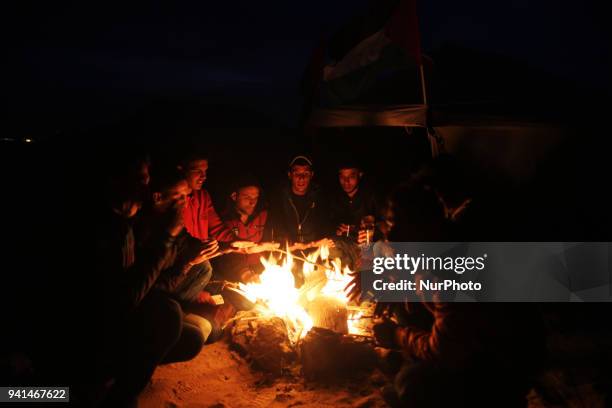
{"x": 321, "y": 301}
{"x": 315, "y": 323}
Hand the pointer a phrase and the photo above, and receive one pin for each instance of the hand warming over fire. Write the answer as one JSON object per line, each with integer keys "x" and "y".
{"x": 209, "y": 249}
{"x": 324, "y": 242}
{"x": 385, "y": 333}
{"x": 353, "y": 289}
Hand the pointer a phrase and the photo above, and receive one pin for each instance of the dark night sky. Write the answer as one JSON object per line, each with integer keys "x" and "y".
{"x": 253, "y": 54}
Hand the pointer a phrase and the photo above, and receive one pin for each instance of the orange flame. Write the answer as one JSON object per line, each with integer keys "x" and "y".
{"x": 276, "y": 295}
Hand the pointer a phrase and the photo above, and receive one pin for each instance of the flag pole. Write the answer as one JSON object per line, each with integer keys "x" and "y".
{"x": 423, "y": 88}
{"x": 403, "y": 28}
{"x": 432, "y": 140}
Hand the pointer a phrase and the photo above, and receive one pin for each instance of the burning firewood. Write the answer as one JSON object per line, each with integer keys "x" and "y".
{"x": 329, "y": 313}
{"x": 264, "y": 341}
{"x": 314, "y": 319}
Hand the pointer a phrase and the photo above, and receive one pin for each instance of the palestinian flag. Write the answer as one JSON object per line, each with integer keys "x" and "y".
{"x": 393, "y": 47}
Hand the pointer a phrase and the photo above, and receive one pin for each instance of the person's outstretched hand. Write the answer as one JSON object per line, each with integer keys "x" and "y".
{"x": 353, "y": 288}
{"x": 209, "y": 249}
{"x": 385, "y": 333}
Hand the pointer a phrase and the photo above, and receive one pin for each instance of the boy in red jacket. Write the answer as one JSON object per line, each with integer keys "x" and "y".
{"x": 247, "y": 219}
{"x": 201, "y": 219}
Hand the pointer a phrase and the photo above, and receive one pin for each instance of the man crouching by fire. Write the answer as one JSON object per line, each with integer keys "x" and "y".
{"x": 453, "y": 354}
{"x": 139, "y": 325}
{"x": 187, "y": 277}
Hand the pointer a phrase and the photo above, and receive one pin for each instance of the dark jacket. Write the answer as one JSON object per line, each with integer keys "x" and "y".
{"x": 299, "y": 218}
{"x": 126, "y": 272}
{"x": 473, "y": 334}
{"x": 350, "y": 211}
{"x": 184, "y": 247}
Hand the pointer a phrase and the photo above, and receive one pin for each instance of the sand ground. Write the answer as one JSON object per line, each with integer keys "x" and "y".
{"x": 220, "y": 378}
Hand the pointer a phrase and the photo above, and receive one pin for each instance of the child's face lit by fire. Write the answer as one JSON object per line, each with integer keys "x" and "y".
{"x": 300, "y": 176}
{"x": 246, "y": 200}
{"x": 196, "y": 174}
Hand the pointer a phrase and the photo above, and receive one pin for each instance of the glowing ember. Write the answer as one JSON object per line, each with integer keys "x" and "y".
{"x": 276, "y": 295}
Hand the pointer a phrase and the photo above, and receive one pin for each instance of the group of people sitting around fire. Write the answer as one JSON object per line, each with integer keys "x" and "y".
{"x": 164, "y": 253}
